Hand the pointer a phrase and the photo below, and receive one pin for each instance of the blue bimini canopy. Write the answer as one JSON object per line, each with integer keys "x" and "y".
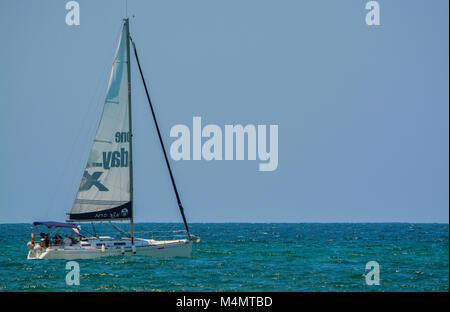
{"x": 52, "y": 224}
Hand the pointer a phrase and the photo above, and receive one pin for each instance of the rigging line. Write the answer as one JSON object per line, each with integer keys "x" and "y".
{"x": 84, "y": 230}
{"x": 71, "y": 160}
{"x": 118, "y": 229}
{"x": 98, "y": 98}
{"x": 180, "y": 206}
{"x": 93, "y": 228}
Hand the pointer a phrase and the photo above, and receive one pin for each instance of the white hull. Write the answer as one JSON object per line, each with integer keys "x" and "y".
{"x": 105, "y": 247}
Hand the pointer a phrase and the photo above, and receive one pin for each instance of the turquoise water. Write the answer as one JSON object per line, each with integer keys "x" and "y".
{"x": 250, "y": 257}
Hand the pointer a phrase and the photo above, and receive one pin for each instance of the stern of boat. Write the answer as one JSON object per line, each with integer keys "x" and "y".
{"x": 35, "y": 251}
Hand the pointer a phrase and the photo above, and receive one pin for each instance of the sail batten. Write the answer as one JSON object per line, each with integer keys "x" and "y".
{"x": 105, "y": 189}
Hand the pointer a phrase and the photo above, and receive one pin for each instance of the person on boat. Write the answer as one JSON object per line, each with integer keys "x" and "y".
{"x": 30, "y": 244}
{"x": 67, "y": 241}
{"x": 57, "y": 239}
{"x": 44, "y": 240}
{"x": 73, "y": 237}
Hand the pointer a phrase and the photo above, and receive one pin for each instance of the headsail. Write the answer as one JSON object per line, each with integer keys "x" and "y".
{"x": 105, "y": 189}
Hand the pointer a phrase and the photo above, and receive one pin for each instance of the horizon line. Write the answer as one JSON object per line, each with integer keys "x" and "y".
{"x": 259, "y": 222}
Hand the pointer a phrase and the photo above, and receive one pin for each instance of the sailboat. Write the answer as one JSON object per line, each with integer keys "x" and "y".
{"x": 105, "y": 193}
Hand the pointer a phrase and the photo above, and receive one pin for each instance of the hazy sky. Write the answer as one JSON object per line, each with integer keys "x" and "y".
{"x": 362, "y": 111}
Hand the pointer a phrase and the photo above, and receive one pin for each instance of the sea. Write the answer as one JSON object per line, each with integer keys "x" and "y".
{"x": 268, "y": 257}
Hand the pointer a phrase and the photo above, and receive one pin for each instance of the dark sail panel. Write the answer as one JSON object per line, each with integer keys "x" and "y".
{"x": 121, "y": 212}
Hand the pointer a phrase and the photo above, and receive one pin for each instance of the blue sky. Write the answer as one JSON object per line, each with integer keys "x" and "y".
{"x": 362, "y": 111}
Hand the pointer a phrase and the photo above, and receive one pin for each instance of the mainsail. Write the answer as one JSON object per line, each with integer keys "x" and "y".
{"x": 105, "y": 192}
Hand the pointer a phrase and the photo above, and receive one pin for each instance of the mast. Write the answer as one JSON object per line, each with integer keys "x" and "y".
{"x": 180, "y": 206}
{"x": 127, "y": 27}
